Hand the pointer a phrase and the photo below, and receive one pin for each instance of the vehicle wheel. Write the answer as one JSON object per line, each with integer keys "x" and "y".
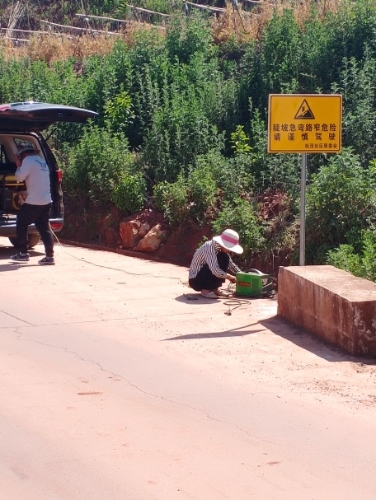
{"x": 32, "y": 240}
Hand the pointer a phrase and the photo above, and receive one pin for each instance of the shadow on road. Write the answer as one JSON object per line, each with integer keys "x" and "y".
{"x": 234, "y": 332}
{"x": 7, "y": 251}
{"x": 276, "y": 325}
{"x": 308, "y": 341}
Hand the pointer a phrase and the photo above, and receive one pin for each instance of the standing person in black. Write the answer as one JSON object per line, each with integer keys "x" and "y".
{"x": 33, "y": 170}
{"x": 211, "y": 264}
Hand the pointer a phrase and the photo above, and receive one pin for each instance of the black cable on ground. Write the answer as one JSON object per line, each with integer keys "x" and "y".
{"x": 235, "y": 303}
{"x": 94, "y": 247}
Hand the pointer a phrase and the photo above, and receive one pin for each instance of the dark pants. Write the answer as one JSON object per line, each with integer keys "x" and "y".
{"x": 39, "y": 215}
{"x": 205, "y": 279}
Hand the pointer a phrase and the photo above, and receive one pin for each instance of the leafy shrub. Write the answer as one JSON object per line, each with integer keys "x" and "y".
{"x": 347, "y": 35}
{"x": 231, "y": 175}
{"x": 212, "y": 182}
{"x": 180, "y": 129}
{"x": 340, "y": 201}
{"x": 130, "y": 193}
{"x": 203, "y": 191}
{"x": 172, "y": 200}
{"x": 240, "y": 141}
{"x": 275, "y": 171}
{"x": 359, "y": 121}
{"x": 96, "y": 165}
{"x": 188, "y": 200}
{"x": 241, "y": 216}
{"x": 345, "y": 258}
{"x": 182, "y": 109}
{"x": 119, "y": 113}
{"x": 281, "y": 51}
{"x": 187, "y": 36}
{"x": 361, "y": 264}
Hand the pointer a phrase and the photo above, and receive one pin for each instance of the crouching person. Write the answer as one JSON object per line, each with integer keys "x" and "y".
{"x": 211, "y": 265}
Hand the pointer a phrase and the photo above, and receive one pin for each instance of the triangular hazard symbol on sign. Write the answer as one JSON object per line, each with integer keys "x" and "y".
{"x": 304, "y": 112}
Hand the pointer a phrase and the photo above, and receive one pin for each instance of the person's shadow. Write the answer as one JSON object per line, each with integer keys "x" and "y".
{"x": 197, "y": 298}
{"x": 7, "y": 251}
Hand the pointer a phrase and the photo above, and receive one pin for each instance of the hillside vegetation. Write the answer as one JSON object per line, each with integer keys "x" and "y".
{"x": 182, "y": 124}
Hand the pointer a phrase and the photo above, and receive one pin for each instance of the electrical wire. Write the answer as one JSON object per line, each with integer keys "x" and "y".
{"x": 235, "y": 303}
{"x": 232, "y": 303}
{"x": 112, "y": 268}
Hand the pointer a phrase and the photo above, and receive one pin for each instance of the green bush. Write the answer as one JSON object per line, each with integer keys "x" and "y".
{"x": 275, "y": 171}
{"x": 340, "y": 201}
{"x": 231, "y": 175}
{"x": 345, "y": 258}
{"x": 188, "y": 201}
{"x": 361, "y": 264}
{"x": 347, "y": 34}
{"x": 214, "y": 181}
{"x": 188, "y": 36}
{"x": 203, "y": 192}
{"x": 172, "y": 200}
{"x": 180, "y": 128}
{"x": 130, "y": 193}
{"x": 97, "y": 164}
{"x": 119, "y": 113}
{"x": 281, "y": 51}
{"x": 359, "y": 121}
{"x": 240, "y": 141}
{"x": 241, "y": 216}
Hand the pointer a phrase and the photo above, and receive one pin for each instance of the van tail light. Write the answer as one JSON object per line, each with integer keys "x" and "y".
{"x": 56, "y": 226}
{"x": 59, "y": 175}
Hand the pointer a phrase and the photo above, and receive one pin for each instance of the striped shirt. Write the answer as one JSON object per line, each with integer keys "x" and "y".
{"x": 207, "y": 254}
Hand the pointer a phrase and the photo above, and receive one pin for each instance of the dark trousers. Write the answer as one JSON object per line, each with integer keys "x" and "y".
{"x": 39, "y": 215}
{"x": 205, "y": 279}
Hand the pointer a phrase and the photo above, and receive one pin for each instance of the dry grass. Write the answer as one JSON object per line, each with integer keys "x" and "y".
{"x": 233, "y": 23}
{"x": 249, "y": 25}
{"x": 50, "y": 48}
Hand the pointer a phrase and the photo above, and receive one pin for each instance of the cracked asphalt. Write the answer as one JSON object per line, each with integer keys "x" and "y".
{"x": 118, "y": 382}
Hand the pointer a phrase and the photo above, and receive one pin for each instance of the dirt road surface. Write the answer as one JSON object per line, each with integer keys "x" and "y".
{"x": 117, "y": 382}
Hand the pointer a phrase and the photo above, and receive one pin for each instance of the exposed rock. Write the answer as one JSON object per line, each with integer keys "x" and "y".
{"x": 107, "y": 233}
{"x": 129, "y": 233}
{"x": 144, "y": 229}
{"x": 152, "y": 240}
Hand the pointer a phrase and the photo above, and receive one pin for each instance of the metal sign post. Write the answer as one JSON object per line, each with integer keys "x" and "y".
{"x": 303, "y": 179}
{"x": 304, "y": 123}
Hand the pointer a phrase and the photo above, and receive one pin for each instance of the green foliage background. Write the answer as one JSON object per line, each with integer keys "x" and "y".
{"x": 183, "y": 125}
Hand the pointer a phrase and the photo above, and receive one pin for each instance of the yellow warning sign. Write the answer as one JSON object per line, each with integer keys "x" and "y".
{"x": 305, "y": 123}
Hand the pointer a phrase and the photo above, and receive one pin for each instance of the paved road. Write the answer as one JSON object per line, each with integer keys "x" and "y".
{"x": 115, "y": 385}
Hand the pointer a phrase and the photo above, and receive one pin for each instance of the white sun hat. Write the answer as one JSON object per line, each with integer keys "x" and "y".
{"x": 229, "y": 239}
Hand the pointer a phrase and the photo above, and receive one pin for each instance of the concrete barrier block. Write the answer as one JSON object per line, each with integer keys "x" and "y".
{"x": 332, "y": 304}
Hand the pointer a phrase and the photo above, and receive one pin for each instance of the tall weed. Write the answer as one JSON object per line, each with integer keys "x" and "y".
{"x": 242, "y": 217}
{"x": 97, "y": 164}
{"x": 363, "y": 263}
{"x": 357, "y": 86}
{"x": 340, "y": 202}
